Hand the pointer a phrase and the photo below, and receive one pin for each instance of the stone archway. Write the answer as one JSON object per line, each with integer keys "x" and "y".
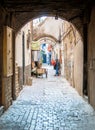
{"x": 21, "y": 19}
{"x": 52, "y": 38}
{"x": 77, "y": 12}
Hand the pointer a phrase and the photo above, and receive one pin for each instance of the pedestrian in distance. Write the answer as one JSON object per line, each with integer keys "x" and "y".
{"x": 57, "y": 68}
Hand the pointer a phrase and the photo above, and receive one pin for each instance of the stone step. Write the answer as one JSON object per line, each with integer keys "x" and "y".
{"x": 1, "y": 110}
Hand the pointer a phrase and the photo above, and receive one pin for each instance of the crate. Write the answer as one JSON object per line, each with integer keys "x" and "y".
{"x": 41, "y": 71}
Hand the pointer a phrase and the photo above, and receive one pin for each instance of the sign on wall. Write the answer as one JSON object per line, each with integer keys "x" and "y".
{"x": 7, "y": 52}
{"x": 35, "y": 46}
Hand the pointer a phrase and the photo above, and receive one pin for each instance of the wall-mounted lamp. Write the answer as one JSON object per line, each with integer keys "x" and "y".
{"x": 56, "y": 16}
{"x": 45, "y": 39}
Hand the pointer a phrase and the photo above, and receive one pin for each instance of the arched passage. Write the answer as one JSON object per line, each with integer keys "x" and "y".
{"x": 72, "y": 46}
{"x": 17, "y": 28}
{"x": 73, "y": 11}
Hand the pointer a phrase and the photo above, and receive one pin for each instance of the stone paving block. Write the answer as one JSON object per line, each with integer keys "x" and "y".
{"x": 50, "y": 104}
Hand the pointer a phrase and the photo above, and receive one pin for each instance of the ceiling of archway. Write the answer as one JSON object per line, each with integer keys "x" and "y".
{"x": 64, "y": 8}
{"x": 26, "y": 10}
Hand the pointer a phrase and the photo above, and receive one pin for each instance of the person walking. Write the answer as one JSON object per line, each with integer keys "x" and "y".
{"x": 57, "y": 67}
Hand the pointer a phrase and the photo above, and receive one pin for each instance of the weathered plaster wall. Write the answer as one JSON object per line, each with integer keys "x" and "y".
{"x": 49, "y": 27}
{"x": 19, "y": 46}
{"x": 19, "y": 55}
{"x": 78, "y": 67}
{"x": 73, "y": 57}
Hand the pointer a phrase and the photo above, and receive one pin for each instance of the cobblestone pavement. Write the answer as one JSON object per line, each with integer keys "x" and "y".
{"x": 49, "y": 104}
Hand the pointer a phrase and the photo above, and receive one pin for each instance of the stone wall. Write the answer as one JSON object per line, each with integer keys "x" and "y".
{"x": 91, "y": 58}
{"x": 17, "y": 87}
{"x": 20, "y": 75}
{"x": 69, "y": 44}
{"x": 73, "y": 57}
{"x": 78, "y": 67}
{"x": 1, "y": 53}
{"x": 7, "y": 91}
{"x": 28, "y": 70}
{"x": 5, "y": 82}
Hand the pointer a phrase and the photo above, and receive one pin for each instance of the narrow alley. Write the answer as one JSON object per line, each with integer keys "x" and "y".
{"x": 49, "y": 104}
